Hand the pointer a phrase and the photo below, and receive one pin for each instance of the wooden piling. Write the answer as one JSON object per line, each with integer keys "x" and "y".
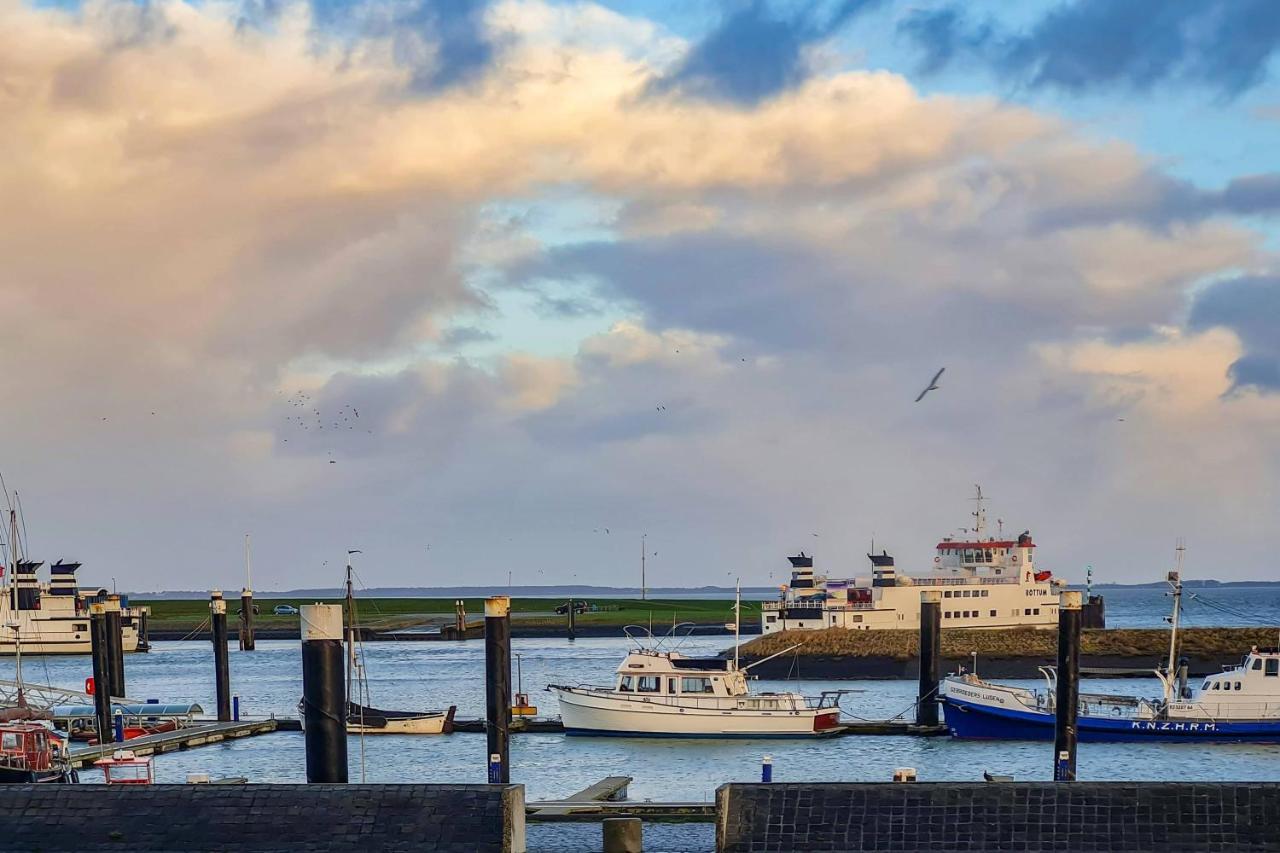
{"x": 101, "y": 672}
{"x": 497, "y": 672}
{"x": 1068, "y": 693}
{"x": 247, "y": 643}
{"x": 115, "y": 645}
{"x": 221, "y": 664}
{"x": 930, "y": 657}
{"x": 324, "y": 693}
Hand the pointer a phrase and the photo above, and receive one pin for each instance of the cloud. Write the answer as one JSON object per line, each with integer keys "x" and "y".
{"x": 755, "y": 52}
{"x": 1250, "y": 307}
{"x": 1225, "y": 46}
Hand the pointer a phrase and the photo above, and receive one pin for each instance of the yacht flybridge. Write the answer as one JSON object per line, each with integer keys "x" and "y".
{"x": 986, "y": 582}
{"x": 659, "y": 692}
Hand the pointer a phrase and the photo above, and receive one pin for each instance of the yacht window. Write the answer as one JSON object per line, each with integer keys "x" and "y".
{"x": 1257, "y": 663}
{"x": 1217, "y": 685}
{"x": 1237, "y": 685}
{"x": 81, "y": 626}
{"x": 771, "y": 618}
{"x": 625, "y": 686}
{"x": 648, "y": 684}
{"x": 1273, "y": 666}
{"x": 695, "y": 685}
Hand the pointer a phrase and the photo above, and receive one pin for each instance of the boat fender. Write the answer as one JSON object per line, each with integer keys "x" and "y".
{"x": 1015, "y": 558}
{"x": 937, "y": 559}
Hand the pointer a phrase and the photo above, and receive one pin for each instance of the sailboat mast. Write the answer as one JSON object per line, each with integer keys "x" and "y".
{"x": 737, "y": 621}
{"x": 351, "y": 628}
{"x": 1175, "y": 578}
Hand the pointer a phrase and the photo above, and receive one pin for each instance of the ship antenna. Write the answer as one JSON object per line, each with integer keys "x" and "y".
{"x": 979, "y": 517}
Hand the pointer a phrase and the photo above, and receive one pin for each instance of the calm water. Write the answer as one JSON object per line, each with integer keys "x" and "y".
{"x": 432, "y": 675}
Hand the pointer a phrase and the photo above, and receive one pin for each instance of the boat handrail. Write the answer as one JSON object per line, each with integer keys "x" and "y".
{"x": 782, "y": 701}
{"x": 657, "y": 642}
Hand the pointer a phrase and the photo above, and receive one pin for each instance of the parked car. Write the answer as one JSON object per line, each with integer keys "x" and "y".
{"x": 285, "y": 610}
{"x": 579, "y": 606}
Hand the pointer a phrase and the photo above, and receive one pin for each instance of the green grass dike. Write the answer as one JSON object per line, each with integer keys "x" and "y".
{"x": 391, "y": 614}
{"x": 1229, "y": 643}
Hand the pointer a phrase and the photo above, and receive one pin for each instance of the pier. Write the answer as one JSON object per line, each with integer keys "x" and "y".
{"x": 201, "y": 734}
{"x": 885, "y": 728}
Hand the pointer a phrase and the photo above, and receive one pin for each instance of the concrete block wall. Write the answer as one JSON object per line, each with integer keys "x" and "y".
{"x": 1079, "y": 817}
{"x": 262, "y": 818}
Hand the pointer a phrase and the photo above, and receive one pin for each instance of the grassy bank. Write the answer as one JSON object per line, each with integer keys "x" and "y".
{"x": 396, "y": 613}
{"x": 902, "y": 645}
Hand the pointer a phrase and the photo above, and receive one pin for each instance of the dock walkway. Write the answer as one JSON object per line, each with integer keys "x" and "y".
{"x": 196, "y": 735}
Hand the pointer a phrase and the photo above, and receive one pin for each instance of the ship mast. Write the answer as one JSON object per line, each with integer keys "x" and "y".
{"x": 737, "y": 622}
{"x": 1175, "y": 580}
{"x": 351, "y": 626}
{"x": 979, "y": 514}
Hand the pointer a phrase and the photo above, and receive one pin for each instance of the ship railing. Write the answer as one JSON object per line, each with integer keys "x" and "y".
{"x": 962, "y": 581}
{"x": 757, "y": 702}
{"x": 826, "y": 606}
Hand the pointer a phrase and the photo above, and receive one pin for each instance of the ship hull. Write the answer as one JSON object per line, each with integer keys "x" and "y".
{"x": 588, "y": 713}
{"x": 974, "y": 720}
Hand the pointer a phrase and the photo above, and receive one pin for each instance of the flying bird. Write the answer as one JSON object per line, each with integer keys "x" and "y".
{"x": 933, "y": 384}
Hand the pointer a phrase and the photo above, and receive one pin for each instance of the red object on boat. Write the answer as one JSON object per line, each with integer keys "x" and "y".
{"x": 1041, "y": 577}
{"x": 822, "y": 722}
{"x": 89, "y": 686}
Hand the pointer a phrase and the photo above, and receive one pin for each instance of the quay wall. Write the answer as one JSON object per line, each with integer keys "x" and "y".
{"x": 1081, "y": 817}
{"x": 262, "y": 818}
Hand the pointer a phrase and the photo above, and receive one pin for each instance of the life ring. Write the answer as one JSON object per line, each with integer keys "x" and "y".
{"x": 937, "y": 559}
{"x": 1015, "y": 558}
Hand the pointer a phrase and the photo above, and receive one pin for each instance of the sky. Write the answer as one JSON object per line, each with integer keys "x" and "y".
{"x": 522, "y": 288}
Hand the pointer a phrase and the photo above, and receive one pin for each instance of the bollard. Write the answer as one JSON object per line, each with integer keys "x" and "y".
{"x": 119, "y": 727}
{"x": 101, "y": 671}
{"x": 324, "y": 697}
{"x": 930, "y": 657}
{"x": 221, "y": 666}
{"x": 235, "y": 707}
{"x": 115, "y": 645}
{"x": 497, "y": 676}
{"x": 1068, "y": 693}
{"x": 766, "y": 769}
{"x": 247, "y": 643}
{"x": 623, "y": 835}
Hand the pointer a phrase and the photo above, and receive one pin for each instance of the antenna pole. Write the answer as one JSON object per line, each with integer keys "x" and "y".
{"x": 643, "y": 548}
{"x": 737, "y": 621}
{"x": 248, "y": 568}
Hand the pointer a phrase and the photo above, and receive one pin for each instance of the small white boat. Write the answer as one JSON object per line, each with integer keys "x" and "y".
{"x": 662, "y": 693}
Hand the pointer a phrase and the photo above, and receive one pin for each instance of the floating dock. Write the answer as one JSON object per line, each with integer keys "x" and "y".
{"x": 548, "y": 725}
{"x": 200, "y": 734}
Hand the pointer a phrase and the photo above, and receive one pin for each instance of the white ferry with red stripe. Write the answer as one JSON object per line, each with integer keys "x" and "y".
{"x": 987, "y": 582}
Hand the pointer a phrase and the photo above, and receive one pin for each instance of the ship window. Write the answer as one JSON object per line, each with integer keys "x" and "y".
{"x": 946, "y": 594}
{"x": 80, "y": 626}
{"x": 993, "y": 613}
{"x": 625, "y": 685}
{"x": 1257, "y": 663}
{"x": 1206, "y": 685}
{"x": 1035, "y": 611}
{"x": 988, "y": 557}
{"x": 1273, "y": 666}
{"x": 1217, "y": 685}
{"x": 771, "y": 618}
{"x": 695, "y": 685}
{"x": 648, "y": 684}
{"x": 985, "y": 593}
{"x": 11, "y": 741}
{"x": 1237, "y": 685}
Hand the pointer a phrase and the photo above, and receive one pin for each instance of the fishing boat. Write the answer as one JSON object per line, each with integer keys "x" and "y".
{"x": 1240, "y": 704}
{"x": 659, "y": 692}
{"x": 365, "y": 719}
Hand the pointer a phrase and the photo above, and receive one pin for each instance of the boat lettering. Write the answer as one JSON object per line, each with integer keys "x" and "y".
{"x": 1166, "y": 726}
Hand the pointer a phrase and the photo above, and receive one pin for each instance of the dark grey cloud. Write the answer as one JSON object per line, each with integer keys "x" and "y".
{"x": 458, "y": 336}
{"x": 1222, "y": 45}
{"x": 1249, "y": 306}
{"x": 756, "y": 51}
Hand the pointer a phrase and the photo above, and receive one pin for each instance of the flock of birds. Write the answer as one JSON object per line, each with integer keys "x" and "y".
{"x": 310, "y": 418}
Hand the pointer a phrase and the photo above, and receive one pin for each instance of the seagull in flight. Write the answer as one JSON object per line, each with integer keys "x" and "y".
{"x": 933, "y": 384}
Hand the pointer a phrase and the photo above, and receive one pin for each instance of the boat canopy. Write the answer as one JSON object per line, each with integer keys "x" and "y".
{"x": 72, "y": 712}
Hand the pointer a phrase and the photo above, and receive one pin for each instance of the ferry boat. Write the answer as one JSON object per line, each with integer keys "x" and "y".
{"x": 659, "y": 692}
{"x": 52, "y": 618}
{"x": 986, "y": 582}
{"x": 1240, "y": 704}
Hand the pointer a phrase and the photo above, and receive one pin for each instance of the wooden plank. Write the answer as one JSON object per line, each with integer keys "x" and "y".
{"x": 608, "y": 788}
{"x": 192, "y": 736}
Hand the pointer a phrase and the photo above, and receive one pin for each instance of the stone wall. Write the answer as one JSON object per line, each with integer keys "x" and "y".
{"x": 262, "y": 818}
{"x": 1080, "y": 817}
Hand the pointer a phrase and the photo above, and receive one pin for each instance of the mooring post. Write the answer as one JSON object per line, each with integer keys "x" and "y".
{"x": 101, "y": 671}
{"x": 246, "y": 620}
{"x": 572, "y": 616}
{"x": 930, "y": 657}
{"x": 221, "y": 666}
{"x": 1068, "y": 695}
{"x": 460, "y": 619}
{"x": 766, "y": 769}
{"x": 623, "y": 835}
{"x": 497, "y": 677}
{"x": 324, "y": 693}
{"x": 141, "y": 615}
{"x": 115, "y": 645}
